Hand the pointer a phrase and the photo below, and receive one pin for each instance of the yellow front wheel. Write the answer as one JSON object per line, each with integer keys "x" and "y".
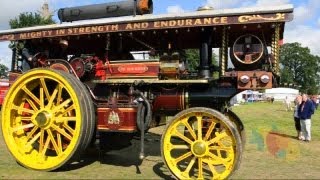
{"x": 47, "y": 119}
{"x": 201, "y": 143}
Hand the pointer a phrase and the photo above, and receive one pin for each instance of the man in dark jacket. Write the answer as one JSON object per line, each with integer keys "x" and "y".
{"x": 305, "y": 110}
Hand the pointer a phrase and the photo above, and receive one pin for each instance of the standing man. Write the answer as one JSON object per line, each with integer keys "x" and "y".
{"x": 306, "y": 109}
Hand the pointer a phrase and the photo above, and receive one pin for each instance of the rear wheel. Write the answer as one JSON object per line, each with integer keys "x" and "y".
{"x": 201, "y": 143}
{"x": 47, "y": 119}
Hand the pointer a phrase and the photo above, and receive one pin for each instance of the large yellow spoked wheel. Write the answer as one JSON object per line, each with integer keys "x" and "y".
{"x": 47, "y": 119}
{"x": 201, "y": 143}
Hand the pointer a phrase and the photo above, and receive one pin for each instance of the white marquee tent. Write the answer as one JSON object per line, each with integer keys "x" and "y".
{"x": 280, "y": 94}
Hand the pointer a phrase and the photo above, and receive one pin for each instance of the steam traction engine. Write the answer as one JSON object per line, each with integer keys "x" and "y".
{"x": 121, "y": 76}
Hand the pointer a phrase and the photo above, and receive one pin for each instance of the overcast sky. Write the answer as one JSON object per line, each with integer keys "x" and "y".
{"x": 304, "y": 29}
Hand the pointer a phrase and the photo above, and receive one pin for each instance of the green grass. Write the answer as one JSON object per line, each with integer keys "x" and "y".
{"x": 285, "y": 158}
{"x": 278, "y": 155}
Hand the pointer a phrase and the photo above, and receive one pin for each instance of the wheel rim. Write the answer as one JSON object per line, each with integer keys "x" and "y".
{"x": 42, "y": 120}
{"x": 198, "y": 144}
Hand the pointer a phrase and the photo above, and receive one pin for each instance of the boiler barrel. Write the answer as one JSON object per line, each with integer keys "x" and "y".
{"x": 112, "y": 9}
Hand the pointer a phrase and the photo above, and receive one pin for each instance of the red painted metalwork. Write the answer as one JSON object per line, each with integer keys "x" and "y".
{"x": 127, "y": 119}
{"x": 142, "y": 69}
{"x": 169, "y": 101}
{"x": 4, "y": 87}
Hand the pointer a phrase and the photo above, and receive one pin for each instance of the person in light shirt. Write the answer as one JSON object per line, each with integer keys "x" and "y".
{"x": 297, "y": 124}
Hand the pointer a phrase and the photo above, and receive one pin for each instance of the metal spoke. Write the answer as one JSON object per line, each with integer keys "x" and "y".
{"x": 22, "y": 109}
{"x": 36, "y": 137}
{"x": 199, "y": 123}
{"x": 45, "y": 148}
{"x": 65, "y": 119}
{"x": 41, "y": 142}
{"x": 15, "y": 129}
{"x": 32, "y": 132}
{"x": 25, "y": 118}
{"x": 217, "y": 160}
{"x": 54, "y": 143}
{"x": 181, "y": 136}
{"x": 218, "y": 137}
{"x": 200, "y": 173}
{"x": 179, "y": 147}
{"x": 30, "y": 94}
{"x": 34, "y": 107}
{"x": 46, "y": 91}
{"x": 182, "y": 157}
{"x": 54, "y": 94}
{"x": 59, "y": 94}
{"x": 68, "y": 128}
{"x": 190, "y": 165}
{"x": 192, "y": 133}
{"x": 68, "y": 109}
{"x": 41, "y": 98}
{"x": 209, "y": 131}
{"x": 65, "y": 103}
{"x": 213, "y": 170}
{"x": 62, "y": 131}
{"x": 220, "y": 148}
{"x": 59, "y": 142}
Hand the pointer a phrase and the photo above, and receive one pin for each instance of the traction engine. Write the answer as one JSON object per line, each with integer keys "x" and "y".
{"x": 115, "y": 78}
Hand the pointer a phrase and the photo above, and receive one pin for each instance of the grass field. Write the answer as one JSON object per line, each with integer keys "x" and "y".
{"x": 271, "y": 152}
